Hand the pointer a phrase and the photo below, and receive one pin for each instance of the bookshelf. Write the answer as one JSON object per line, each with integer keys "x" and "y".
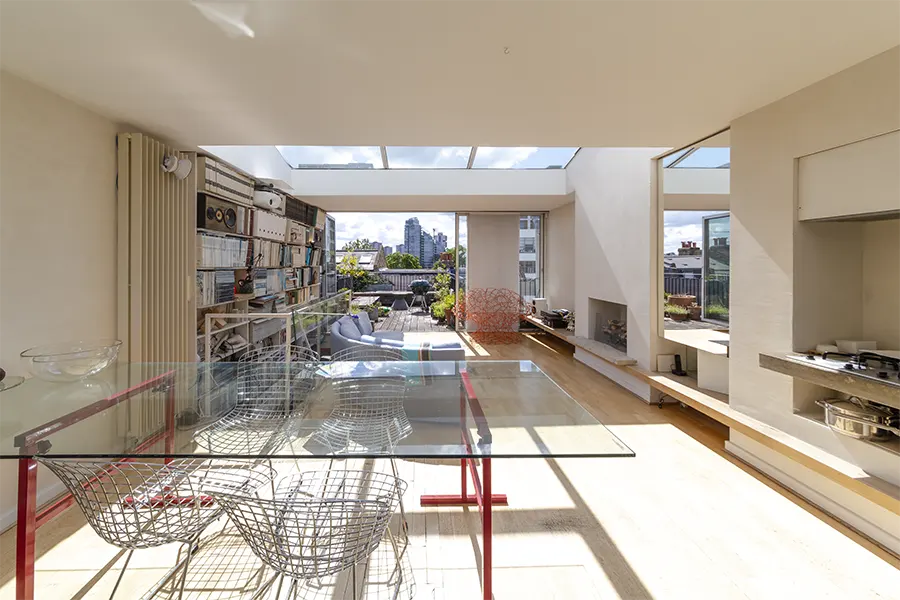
{"x": 251, "y": 259}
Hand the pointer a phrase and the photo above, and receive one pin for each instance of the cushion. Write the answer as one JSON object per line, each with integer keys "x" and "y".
{"x": 389, "y": 335}
{"x": 349, "y": 329}
{"x": 364, "y": 323}
{"x": 446, "y": 346}
{"x": 389, "y": 342}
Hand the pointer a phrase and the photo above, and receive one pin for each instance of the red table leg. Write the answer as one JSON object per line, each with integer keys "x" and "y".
{"x": 170, "y": 421}
{"x": 484, "y": 498}
{"x": 25, "y": 528}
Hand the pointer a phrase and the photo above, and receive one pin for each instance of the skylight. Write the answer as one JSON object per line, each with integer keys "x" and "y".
{"x": 332, "y": 157}
{"x": 488, "y": 157}
{"x": 705, "y": 157}
{"x": 428, "y": 157}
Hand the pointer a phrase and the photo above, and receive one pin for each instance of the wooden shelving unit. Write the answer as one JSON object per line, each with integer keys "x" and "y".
{"x": 239, "y": 254}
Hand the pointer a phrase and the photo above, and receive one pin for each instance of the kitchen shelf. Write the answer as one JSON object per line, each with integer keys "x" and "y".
{"x": 870, "y": 389}
{"x": 892, "y": 444}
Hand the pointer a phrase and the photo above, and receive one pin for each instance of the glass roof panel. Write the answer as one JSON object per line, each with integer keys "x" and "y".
{"x": 492, "y": 157}
{"x": 428, "y": 157}
{"x": 668, "y": 160}
{"x": 706, "y": 158}
{"x": 332, "y": 157}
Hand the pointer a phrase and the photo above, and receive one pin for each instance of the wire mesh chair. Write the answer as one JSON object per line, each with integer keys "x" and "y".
{"x": 367, "y": 353}
{"x": 135, "y": 505}
{"x": 272, "y": 388}
{"x": 275, "y": 382}
{"x": 318, "y": 523}
{"x": 368, "y": 415}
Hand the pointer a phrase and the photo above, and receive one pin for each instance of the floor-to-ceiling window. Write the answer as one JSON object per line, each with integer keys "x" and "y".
{"x": 530, "y": 257}
{"x": 716, "y": 266}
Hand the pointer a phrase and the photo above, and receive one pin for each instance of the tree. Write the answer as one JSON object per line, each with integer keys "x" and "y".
{"x": 358, "y": 245}
{"x": 349, "y": 266}
{"x": 402, "y": 261}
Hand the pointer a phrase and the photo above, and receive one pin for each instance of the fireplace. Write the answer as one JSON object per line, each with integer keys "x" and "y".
{"x": 608, "y": 323}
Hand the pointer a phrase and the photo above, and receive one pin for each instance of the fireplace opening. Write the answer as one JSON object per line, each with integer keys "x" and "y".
{"x": 609, "y": 323}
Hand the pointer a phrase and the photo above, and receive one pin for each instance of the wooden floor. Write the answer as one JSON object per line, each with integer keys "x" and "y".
{"x": 681, "y": 520}
{"x": 413, "y": 320}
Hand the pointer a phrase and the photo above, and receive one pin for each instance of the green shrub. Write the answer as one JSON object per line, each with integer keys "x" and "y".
{"x": 717, "y": 311}
{"x": 675, "y": 309}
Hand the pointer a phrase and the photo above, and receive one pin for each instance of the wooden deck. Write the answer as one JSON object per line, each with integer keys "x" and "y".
{"x": 412, "y": 320}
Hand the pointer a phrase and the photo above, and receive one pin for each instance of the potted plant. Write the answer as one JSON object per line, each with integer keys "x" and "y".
{"x": 374, "y": 311}
{"x": 681, "y": 299}
{"x": 717, "y": 312}
{"x": 677, "y": 312}
{"x": 696, "y": 312}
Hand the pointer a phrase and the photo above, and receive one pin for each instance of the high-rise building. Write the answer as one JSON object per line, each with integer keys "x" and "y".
{"x": 401, "y": 248}
{"x": 440, "y": 243}
{"x": 412, "y": 237}
{"x": 427, "y": 257}
{"x": 377, "y": 245}
{"x": 388, "y": 250}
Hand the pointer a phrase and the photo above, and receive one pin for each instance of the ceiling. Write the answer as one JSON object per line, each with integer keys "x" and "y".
{"x": 373, "y": 73}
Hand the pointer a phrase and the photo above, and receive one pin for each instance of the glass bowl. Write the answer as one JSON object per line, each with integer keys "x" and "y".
{"x": 71, "y": 361}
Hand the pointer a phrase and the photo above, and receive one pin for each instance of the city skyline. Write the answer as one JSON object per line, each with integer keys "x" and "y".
{"x": 388, "y": 228}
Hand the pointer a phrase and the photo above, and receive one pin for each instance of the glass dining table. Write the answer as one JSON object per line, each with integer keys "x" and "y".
{"x": 471, "y": 411}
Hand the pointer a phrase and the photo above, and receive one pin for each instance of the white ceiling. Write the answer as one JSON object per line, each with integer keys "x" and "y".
{"x": 600, "y": 73}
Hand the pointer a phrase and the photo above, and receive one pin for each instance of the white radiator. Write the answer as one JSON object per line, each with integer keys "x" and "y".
{"x": 156, "y": 277}
{"x": 156, "y": 320}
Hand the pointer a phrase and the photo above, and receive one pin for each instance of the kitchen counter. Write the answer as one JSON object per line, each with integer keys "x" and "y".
{"x": 884, "y": 392}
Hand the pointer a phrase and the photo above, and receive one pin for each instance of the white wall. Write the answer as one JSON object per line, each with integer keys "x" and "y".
{"x": 57, "y": 238}
{"x": 559, "y": 257}
{"x": 458, "y": 190}
{"x": 881, "y": 283}
{"x": 265, "y": 162}
{"x": 57, "y": 221}
{"x": 613, "y": 226}
{"x": 493, "y": 255}
{"x": 855, "y": 104}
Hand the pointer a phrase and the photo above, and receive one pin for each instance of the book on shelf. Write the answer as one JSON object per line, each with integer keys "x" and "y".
{"x": 214, "y": 251}
{"x": 214, "y": 287}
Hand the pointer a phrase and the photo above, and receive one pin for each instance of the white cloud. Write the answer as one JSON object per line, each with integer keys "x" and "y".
{"x": 683, "y": 226}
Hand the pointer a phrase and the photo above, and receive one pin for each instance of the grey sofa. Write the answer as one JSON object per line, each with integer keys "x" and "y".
{"x": 357, "y": 330}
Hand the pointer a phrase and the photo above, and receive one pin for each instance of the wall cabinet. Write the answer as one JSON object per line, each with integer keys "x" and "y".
{"x": 857, "y": 180}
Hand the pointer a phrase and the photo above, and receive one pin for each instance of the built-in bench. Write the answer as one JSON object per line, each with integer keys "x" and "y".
{"x": 715, "y": 406}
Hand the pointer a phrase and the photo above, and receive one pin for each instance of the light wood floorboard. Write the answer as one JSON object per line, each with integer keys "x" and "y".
{"x": 680, "y": 520}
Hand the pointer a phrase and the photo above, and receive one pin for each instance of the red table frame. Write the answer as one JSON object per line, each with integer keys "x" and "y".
{"x": 29, "y": 518}
{"x": 483, "y": 497}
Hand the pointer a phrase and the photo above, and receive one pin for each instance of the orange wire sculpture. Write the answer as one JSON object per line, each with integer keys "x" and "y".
{"x": 494, "y": 312}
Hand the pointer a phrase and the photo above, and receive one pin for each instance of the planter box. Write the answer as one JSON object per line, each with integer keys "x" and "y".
{"x": 682, "y": 300}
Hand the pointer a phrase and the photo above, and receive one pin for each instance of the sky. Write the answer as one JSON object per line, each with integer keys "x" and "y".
{"x": 683, "y": 226}
{"x": 429, "y": 157}
{"x": 387, "y": 228}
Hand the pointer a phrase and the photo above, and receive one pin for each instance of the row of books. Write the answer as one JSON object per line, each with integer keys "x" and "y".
{"x": 215, "y": 251}
{"x": 214, "y": 287}
{"x": 273, "y": 281}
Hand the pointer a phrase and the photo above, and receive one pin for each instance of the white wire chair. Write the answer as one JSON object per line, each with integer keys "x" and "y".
{"x": 134, "y": 505}
{"x": 318, "y": 523}
{"x": 275, "y": 382}
{"x": 368, "y": 415}
{"x": 273, "y": 387}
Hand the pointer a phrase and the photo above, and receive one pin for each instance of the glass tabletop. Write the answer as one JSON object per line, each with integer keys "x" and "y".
{"x": 404, "y": 409}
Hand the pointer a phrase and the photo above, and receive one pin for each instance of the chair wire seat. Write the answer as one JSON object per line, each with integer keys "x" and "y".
{"x": 317, "y": 523}
{"x": 367, "y": 353}
{"x": 136, "y": 505}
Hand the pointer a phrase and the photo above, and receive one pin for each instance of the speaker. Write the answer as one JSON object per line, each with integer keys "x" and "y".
{"x": 221, "y": 215}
